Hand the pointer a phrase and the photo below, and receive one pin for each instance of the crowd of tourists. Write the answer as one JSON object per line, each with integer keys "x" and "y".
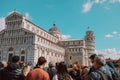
{"x": 100, "y": 70}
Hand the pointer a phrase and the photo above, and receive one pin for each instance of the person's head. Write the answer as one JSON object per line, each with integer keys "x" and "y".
{"x": 62, "y": 67}
{"x": 15, "y": 59}
{"x": 41, "y": 61}
{"x": 50, "y": 64}
{"x": 92, "y": 57}
{"x": 99, "y": 61}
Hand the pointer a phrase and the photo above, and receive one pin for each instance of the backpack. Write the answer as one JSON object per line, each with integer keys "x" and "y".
{"x": 116, "y": 76}
{"x": 75, "y": 74}
{"x": 51, "y": 72}
{"x": 104, "y": 76}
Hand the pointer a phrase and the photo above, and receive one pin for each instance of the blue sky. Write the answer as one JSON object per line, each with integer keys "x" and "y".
{"x": 72, "y": 18}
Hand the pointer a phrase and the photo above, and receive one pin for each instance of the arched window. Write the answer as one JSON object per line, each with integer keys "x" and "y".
{"x": 22, "y": 52}
{"x": 23, "y": 55}
{"x": 70, "y": 57}
{"x": 0, "y": 56}
{"x": 10, "y": 49}
{"x": 10, "y": 54}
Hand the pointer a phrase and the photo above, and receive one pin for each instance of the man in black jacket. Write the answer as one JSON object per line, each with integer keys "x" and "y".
{"x": 99, "y": 72}
{"x": 13, "y": 70}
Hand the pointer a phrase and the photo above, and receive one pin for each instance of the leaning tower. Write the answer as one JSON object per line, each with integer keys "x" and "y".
{"x": 90, "y": 42}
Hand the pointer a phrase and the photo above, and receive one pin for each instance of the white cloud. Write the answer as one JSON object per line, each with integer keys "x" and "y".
{"x": 108, "y": 1}
{"x": 87, "y": 6}
{"x": 100, "y": 1}
{"x": 114, "y": 32}
{"x": 97, "y": 1}
{"x": 65, "y": 37}
{"x": 108, "y": 36}
{"x": 2, "y": 23}
{"x": 114, "y": 1}
{"x": 27, "y": 15}
{"x": 110, "y": 53}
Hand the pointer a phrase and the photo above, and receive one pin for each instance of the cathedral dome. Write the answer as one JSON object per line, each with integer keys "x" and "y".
{"x": 55, "y": 32}
{"x": 54, "y": 28}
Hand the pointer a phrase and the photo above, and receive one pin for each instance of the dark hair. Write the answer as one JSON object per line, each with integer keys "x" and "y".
{"x": 51, "y": 64}
{"x": 62, "y": 67}
{"x": 92, "y": 56}
{"x": 15, "y": 59}
{"x": 41, "y": 60}
{"x": 56, "y": 65}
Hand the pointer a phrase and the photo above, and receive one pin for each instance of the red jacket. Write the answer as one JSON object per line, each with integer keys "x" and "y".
{"x": 37, "y": 74}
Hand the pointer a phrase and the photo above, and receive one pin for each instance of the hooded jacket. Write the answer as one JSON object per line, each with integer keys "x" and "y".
{"x": 12, "y": 72}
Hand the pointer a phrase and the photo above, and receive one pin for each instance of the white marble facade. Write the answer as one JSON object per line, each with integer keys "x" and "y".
{"x": 29, "y": 41}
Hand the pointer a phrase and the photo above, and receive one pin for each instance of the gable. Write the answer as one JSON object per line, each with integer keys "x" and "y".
{"x": 14, "y": 16}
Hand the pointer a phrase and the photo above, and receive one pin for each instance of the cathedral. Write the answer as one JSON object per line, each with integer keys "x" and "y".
{"x": 29, "y": 41}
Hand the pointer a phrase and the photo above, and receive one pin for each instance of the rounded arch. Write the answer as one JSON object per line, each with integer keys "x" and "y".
{"x": 23, "y": 52}
{"x": 10, "y": 49}
{"x": 0, "y": 55}
{"x": 23, "y": 56}
{"x": 10, "y": 53}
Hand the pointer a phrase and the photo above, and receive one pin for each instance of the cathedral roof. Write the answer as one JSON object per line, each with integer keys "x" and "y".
{"x": 14, "y": 13}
